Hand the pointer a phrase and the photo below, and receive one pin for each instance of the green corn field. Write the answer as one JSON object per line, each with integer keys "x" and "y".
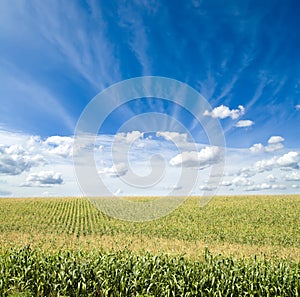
{"x": 66, "y": 273}
{"x": 234, "y": 246}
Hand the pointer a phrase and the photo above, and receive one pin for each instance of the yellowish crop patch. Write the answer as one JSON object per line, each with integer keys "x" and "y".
{"x": 237, "y": 225}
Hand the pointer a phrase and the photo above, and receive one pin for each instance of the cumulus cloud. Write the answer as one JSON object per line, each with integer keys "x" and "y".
{"x": 288, "y": 160}
{"x": 116, "y": 170}
{"x": 60, "y": 145}
{"x": 173, "y": 136}
{"x": 265, "y": 165}
{"x": 43, "y": 179}
{"x": 246, "y": 172}
{"x": 34, "y": 143}
{"x": 241, "y": 181}
{"x": 129, "y": 137}
{"x": 297, "y": 106}
{"x": 275, "y": 139}
{"x": 257, "y": 148}
{"x": 226, "y": 183}
{"x": 59, "y": 140}
{"x": 244, "y": 124}
{"x": 259, "y": 187}
{"x": 223, "y": 112}
{"x": 265, "y": 186}
{"x": 275, "y": 143}
{"x": 14, "y": 160}
{"x": 278, "y": 187}
{"x": 207, "y": 156}
{"x": 294, "y": 176}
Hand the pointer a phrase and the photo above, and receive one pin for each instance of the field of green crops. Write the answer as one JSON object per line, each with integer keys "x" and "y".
{"x": 34, "y": 273}
{"x": 234, "y": 246}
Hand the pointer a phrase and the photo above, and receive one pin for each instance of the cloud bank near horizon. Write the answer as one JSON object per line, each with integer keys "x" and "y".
{"x": 33, "y": 166}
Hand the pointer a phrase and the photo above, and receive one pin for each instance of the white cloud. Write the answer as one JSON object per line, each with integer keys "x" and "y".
{"x": 223, "y": 112}
{"x": 259, "y": 187}
{"x": 265, "y": 165}
{"x": 294, "y": 176}
{"x": 278, "y": 187}
{"x": 116, "y": 170}
{"x": 288, "y": 160}
{"x": 275, "y": 139}
{"x": 59, "y": 140}
{"x": 241, "y": 181}
{"x": 173, "y": 136}
{"x": 33, "y": 143}
{"x": 297, "y": 106}
{"x": 207, "y": 156}
{"x": 129, "y": 137}
{"x": 257, "y": 148}
{"x": 246, "y": 172}
{"x": 14, "y": 160}
{"x": 60, "y": 145}
{"x": 265, "y": 186}
{"x": 274, "y": 144}
{"x": 274, "y": 147}
{"x": 225, "y": 183}
{"x": 242, "y": 166}
{"x": 43, "y": 178}
{"x": 244, "y": 123}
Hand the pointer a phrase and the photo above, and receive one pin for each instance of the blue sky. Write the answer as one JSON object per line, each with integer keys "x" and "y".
{"x": 55, "y": 56}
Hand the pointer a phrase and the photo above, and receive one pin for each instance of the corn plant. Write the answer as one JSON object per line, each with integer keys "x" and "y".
{"x": 70, "y": 273}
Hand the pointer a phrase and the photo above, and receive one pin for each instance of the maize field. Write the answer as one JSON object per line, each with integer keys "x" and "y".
{"x": 234, "y": 246}
{"x": 34, "y": 273}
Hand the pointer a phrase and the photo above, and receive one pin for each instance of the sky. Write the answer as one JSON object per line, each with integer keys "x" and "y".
{"x": 57, "y": 58}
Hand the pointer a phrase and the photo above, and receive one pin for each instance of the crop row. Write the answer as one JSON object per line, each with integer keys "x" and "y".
{"x": 28, "y": 272}
{"x": 258, "y": 220}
